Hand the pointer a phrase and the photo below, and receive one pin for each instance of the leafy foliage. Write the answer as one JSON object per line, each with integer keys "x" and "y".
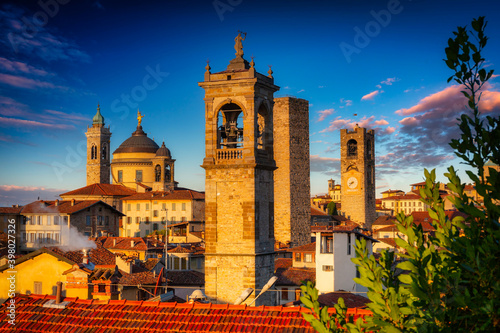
{"x": 448, "y": 281}
{"x": 332, "y": 208}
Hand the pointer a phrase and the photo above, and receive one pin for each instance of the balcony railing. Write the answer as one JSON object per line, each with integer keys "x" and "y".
{"x": 229, "y": 154}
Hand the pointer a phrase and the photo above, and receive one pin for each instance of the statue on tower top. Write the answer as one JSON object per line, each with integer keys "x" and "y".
{"x": 139, "y": 118}
{"x": 238, "y": 45}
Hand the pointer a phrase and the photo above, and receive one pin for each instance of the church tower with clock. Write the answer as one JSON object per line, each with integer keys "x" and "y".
{"x": 358, "y": 175}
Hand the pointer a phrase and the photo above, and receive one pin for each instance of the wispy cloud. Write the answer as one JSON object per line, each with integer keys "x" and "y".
{"x": 21, "y": 67}
{"x": 10, "y": 139}
{"x": 326, "y": 165}
{"x": 345, "y": 103}
{"x": 32, "y": 123}
{"x": 370, "y": 96}
{"x": 366, "y": 122}
{"x": 389, "y": 81}
{"x": 27, "y": 83}
{"x": 301, "y": 90}
{"x": 325, "y": 113}
{"x": 39, "y": 42}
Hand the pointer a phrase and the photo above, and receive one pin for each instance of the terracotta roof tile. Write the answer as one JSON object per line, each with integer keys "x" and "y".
{"x": 177, "y": 194}
{"x": 294, "y": 276}
{"x": 311, "y": 247}
{"x": 62, "y": 207}
{"x": 123, "y": 243}
{"x": 283, "y": 263}
{"x": 101, "y": 190}
{"x": 127, "y": 316}
{"x": 10, "y": 210}
{"x": 317, "y": 211}
{"x": 351, "y": 300}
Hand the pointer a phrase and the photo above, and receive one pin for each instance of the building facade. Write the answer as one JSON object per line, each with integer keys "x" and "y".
{"x": 358, "y": 175}
{"x": 292, "y": 178}
{"x": 239, "y": 183}
{"x": 98, "y": 145}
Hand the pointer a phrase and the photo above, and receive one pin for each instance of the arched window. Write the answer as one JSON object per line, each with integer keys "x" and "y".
{"x": 262, "y": 130}
{"x": 93, "y": 152}
{"x": 230, "y": 126}
{"x": 167, "y": 173}
{"x": 157, "y": 173}
{"x": 104, "y": 155}
{"x": 352, "y": 148}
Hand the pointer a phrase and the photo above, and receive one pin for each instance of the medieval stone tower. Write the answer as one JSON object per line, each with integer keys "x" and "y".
{"x": 98, "y": 156}
{"x": 292, "y": 178}
{"x": 239, "y": 184}
{"x": 358, "y": 175}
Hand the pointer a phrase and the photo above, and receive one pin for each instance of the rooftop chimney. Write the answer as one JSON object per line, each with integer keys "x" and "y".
{"x": 132, "y": 243}
{"x": 85, "y": 257}
{"x": 114, "y": 242}
{"x": 58, "y": 292}
{"x": 57, "y": 203}
{"x": 73, "y": 202}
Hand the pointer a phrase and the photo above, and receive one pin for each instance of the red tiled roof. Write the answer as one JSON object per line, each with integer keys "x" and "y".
{"x": 10, "y": 210}
{"x": 408, "y": 196}
{"x": 144, "y": 278}
{"x": 101, "y": 190}
{"x": 283, "y": 263}
{"x": 311, "y": 247}
{"x": 63, "y": 207}
{"x": 123, "y": 243}
{"x": 293, "y": 276}
{"x": 351, "y": 300}
{"x": 97, "y": 256}
{"x": 388, "y": 241}
{"x": 128, "y": 316}
{"x": 180, "y": 249}
{"x": 384, "y": 220}
{"x": 418, "y": 184}
{"x": 177, "y": 194}
{"x": 316, "y": 211}
{"x": 185, "y": 278}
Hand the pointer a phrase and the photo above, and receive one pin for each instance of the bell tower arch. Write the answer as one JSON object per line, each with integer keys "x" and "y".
{"x": 239, "y": 184}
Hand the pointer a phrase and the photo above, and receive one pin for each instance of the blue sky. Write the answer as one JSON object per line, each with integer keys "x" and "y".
{"x": 381, "y": 60}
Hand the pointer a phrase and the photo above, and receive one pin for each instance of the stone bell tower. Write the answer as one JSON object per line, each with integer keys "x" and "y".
{"x": 98, "y": 141}
{"x": 239, "y": 186}
{"x": 358, "y": 175}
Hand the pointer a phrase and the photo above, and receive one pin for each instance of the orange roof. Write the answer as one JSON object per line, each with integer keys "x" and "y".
{"x": 351, "y": 300}
{"x": 63, "y": 207}
{"x": 177, "y": 194}
{"x": 127, "y": 316}
{"x": 101, "y": 190}
{"x": 123, "y": 243}
{"x": 311, "y": 247}
{"x": 316, "y": 211}
{"x": 293, "y": 276}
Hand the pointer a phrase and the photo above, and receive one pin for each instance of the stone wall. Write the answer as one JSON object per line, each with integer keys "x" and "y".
{"x": 292, "y": 178}
{"x": 98, "y": 170}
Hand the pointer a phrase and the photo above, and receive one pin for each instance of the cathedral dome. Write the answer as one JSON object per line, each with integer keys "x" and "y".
{"x": 138, "y": 143}
{"x": 163, "y": 151}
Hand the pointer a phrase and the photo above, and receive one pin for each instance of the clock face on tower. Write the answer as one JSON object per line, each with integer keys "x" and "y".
{"x": 352, "y": 182}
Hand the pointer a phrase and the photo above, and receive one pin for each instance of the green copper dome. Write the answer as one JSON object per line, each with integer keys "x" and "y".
{"x": 98, "y": 118}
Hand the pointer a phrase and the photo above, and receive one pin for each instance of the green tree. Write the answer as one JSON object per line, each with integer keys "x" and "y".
{"x": 332, "y": 208}
{"x": 450, "y": 279}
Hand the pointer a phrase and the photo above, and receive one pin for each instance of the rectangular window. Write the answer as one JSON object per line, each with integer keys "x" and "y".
{"x": 138, "y": 175}
{"x": 147, "y": 218}
{"x": 183, "y": 263}
{"x": 129, "y": 207}
{"x": 32, "y": 220}
{"x": 88, "y": 220}
{"x": 137, "y": 220}
{"x": 147, "y": 206}
{"x": 99, "y": 219}
{"x": 56, "y": 237}
{"x": 138, "y": 207}
{"x": 32, "y": 237}
{"x": 173, "y": 206}
{"x": 49, "y": 220}
{"x": 176, "y": 263}
{"x": 308, "y": 257}
{"x": 163, "y": 206}
{"x": 128, "y": 233}
{"x": 183, "y": 219}
{"x": 120, "y": 176}
{"x": 327, "y": 268}
{"x": 101, "y": 288}
{"x": 25, "y": 237}
{"x": 39, "y": 220}
{"x": 155, "y": 226}
{"x": 284, "y": 294}
{"x": 155, "y": 213}
{"x": 129, "y": 220}
{"x": 348, "y": 244}
{"x": 155, "y": 202}
{"x": 106, "y": 220}
{"x": 327, "y": 244}
{"x": 184, "y": 206}
{"x": 298, "y": 256}
{"x": 65, "y": 220}
{"x": 41, "y": 238}
{"x": 56, "y": 220}
{"x": 37, "y": 287}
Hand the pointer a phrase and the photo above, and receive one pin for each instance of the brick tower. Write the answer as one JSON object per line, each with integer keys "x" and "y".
{"x": 358, "y": 175}
{"x": 98, "y": 141}
{"x": 292, "y": 179}
{"x": 239, "y": 184}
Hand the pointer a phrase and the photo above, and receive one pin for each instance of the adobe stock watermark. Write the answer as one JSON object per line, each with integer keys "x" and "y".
{"x": 31, "y": 27}
{"x": 11, "y": 271}
{"x": 76, "y": 156}
{"x": 363, "y": 36}
{"x": 222, "y": 6}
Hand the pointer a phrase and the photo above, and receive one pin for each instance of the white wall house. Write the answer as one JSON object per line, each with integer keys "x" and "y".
{"x": 334, "y": 250}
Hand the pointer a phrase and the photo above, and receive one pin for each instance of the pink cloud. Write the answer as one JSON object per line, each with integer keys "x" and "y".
{"x": 8, "y": 188}
{"x": 325, "y": 113}
{"x": 23, "y": 82}
{"x": 32, "y": 123}
{"x": 389, "y": 81}
{"x": 370, "y": 96}
{"x": 381, "y": 122}
{"x": 20, "y": 67}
